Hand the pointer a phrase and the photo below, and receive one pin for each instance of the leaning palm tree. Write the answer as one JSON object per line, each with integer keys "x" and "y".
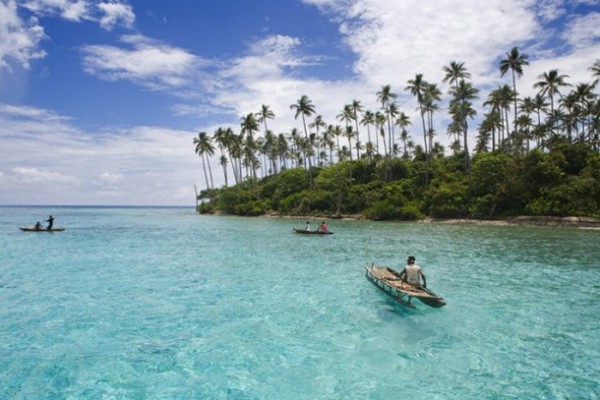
{"x": 305, "y": 108}
{"x": 514, "y": 62}
{"x": 204, "y": 149}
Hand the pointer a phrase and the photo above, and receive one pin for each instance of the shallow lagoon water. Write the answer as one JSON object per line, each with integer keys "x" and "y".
{"x": 163, "y": 303}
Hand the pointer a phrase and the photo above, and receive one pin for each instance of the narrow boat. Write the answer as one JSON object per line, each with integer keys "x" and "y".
{"x": 33, "y": 229}
{"x": 305, "y": 232}
{"x": 390, "y": 282}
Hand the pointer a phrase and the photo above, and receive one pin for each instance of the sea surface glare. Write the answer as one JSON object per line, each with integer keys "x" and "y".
{"x": 163, "y": 303}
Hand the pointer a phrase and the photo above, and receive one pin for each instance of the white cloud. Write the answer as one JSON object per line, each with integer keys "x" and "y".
{"x": 32, "y": 175}
{"x": 108, "y": 14}
{"x": 146, "y": 62}
{"x": 111, "y": 178}
{"x": 19, "y": 40}
{"x": 115, "y": 13}
{"x": 52, "y": 161}
{"x": 583, "y": 32}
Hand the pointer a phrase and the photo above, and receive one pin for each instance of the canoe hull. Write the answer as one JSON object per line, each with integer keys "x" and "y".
{"x": 32, "y": 229}
{"x": 305, "y": 232}
{"x": 388, "y": 281}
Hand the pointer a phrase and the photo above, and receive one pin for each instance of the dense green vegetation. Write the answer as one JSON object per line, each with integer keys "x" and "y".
{"x": 562, "y": 182}
{"x": 533, "y": 156}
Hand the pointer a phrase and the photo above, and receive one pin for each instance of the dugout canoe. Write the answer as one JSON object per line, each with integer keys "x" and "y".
{"x": 33, "y": 229}
{"x": 305, "y": 232}
{"x": 388, "y": 281}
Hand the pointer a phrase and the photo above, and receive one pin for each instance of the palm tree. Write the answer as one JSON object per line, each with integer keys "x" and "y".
{"x": 249, "y": 125}
{"x": 416, "y": 87}
{"x": 304, "y": 108}
{"x": 318, "y": 123}
{"x": 431, "y": 94}
{"x": 379, "y": 122}
{"x": 204, "y": 149}
{"x": 385, "y": 96}
{"x": 270, "y": 149}
{"x": 500, "y": 100}
{"x": 595, "y": 68}
{"x": 514, "y": 61}
{"x": 263, "y": 115}
{"x": 391, "y": 111}
{"x": 583, "y": 96}
{"x": 463, "y": 92}
{"x": 282, "y": 150}
{"x": 367, "y": 120}
{"x": 221, "y": 138}
{"x": 346, "y": 116}
{"x": 550, "y": 84}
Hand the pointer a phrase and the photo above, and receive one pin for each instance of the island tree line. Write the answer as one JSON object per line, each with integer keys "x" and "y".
{"x": 535, "y": 155}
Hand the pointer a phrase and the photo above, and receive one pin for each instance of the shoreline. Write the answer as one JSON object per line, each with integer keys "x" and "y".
{"x": 573, "y": 222}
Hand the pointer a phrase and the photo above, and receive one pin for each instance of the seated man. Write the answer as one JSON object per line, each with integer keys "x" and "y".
{"x": 323, "y": 227}
{"x": 412, "y": 273}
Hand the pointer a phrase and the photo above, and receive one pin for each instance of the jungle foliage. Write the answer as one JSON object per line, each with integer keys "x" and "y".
{"x": 564, "y": 181}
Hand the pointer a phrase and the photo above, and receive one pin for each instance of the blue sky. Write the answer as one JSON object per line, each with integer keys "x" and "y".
{"x": 100, "y": 99}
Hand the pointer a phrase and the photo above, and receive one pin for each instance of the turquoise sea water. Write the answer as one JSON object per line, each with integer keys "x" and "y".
{"x": 162, "y": 303}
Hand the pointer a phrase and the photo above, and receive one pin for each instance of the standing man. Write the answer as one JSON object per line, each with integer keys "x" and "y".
{"x": 50, "y": 222}
{"x": 412, "y": 273}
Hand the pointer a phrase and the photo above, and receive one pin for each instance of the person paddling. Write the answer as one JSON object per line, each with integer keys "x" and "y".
{"x": 50, "y": 222}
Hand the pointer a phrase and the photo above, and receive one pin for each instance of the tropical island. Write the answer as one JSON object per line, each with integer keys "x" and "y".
{"x": 535, "y": 157}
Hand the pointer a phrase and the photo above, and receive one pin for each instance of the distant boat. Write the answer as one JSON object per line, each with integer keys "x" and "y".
{"x": 305, "y": 232}
{"x": 388, "y": 281}
{"x": 34, "y": 229}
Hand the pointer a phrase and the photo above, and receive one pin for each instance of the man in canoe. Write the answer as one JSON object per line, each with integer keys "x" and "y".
{"x": 50, "y": 222}
{"x": 412, "y": 273}
{"x": 38, "y": 226}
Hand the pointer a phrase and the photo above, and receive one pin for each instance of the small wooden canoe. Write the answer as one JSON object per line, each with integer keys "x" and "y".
{"x": 305, "y": 232}
{"x": 388, "y": 281}
{"x": 33, "y": 229}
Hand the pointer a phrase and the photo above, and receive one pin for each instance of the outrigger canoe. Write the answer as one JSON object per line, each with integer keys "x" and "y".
{"x": 33, "y": 229}
{"x": 305, "y": 232}
{"x": 389, "y": 282}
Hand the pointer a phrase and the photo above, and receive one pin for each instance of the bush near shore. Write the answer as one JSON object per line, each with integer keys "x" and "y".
{"x": 564, "y": 181}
